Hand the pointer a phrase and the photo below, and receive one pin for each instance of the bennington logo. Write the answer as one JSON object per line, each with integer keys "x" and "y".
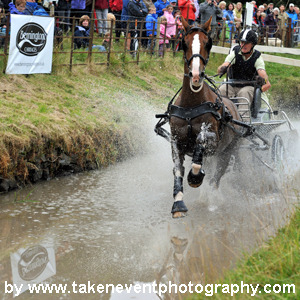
{"x": 33, "y": 262}
{"x": 31, "y": 39}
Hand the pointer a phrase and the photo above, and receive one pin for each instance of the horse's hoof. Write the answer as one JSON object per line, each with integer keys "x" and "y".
{"x": 196, "y": 180}
{"x": 178, "y": 215}
{"x": 179, "y": 209}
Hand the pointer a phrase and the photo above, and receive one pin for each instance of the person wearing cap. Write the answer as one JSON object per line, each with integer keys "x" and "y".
{"x": 292, "y": 14}
{"x": 174, "y": 4}
{"x": 244, "y": 63}
{"x": 270, "y": 8}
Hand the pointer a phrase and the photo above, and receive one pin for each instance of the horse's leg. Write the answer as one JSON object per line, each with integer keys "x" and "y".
{"x": 205, "y": 140}
{"x": 178, "y": 209}
{"x": 223, "y": 162}
{"x": 196, "y": 174}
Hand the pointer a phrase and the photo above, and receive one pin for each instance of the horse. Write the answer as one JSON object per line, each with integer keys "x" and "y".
{"x": 199, "y": 119}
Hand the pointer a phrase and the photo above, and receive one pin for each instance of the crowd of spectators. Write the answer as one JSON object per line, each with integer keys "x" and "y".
{"x": 226, "y": 15}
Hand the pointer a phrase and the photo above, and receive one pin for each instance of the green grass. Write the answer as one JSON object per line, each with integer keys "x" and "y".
{"x": 277, "y": 262}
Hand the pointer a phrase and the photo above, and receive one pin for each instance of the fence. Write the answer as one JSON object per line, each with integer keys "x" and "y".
{"x": 134, "y": 34}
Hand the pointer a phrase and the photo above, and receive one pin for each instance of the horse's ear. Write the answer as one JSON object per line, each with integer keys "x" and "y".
{"x": 185, "y": 24}
{"x": 206, "y": 26}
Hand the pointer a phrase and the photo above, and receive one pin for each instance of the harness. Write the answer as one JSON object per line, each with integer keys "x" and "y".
{"x": 190, "y": 113}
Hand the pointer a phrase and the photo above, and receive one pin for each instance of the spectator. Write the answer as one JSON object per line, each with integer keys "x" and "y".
{"x": 282, "y": 20}
{"x": 256, "y": 17}
{"x": 254, "y": 7}
{"x": 261, "y": 8}
{"x": 164, "y": 37}
{"x": 151, "y": 26}
{"x": 238, "y": 13}
{"x": 270, "y": 9}
{"x": 171, "y": 26}
{"x": 188, "y": 9}
{"x": 2, "y": 16}
{"x": 262, "y": 19}
{"x": 197, "y": 12}
{"x": 230, "y": 19}
{"x": 107, "y": 42}
{"x": 175, "y": 7}
{"x": 265, "y": 5}
{"x": 221, "y": 17}
{"x": 292, "y": 14}
{"x": 64, "y": 12}
{"x": 297, "y": 30}
{"x": 83, "y": 31}
{"x": 116, "y": 8}
{"x": 271, "y": 21}
{"x": 101, "y": 7}
{"x": 17, "y": 9}
{"x": 161, "y": 6}
{"x": 2, "y": 24}
{"x": 137, "y": 11}
{"x": 32, "y": 8}
{"x": 207, "y": 9}
{"x": 77, "y": 8}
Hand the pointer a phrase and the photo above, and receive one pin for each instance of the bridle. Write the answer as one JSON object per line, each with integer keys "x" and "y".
{"x": 188, "y": 61}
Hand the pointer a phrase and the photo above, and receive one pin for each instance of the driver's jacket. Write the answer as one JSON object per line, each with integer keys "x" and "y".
{"x": 243, "y": 69}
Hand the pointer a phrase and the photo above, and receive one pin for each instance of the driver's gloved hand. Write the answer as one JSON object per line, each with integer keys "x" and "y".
{"x": 260, "y": 80}
{"x": 223, "y": 71}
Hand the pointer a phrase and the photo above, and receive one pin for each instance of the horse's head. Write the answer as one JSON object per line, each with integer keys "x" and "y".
{"x": 196, "y": 45}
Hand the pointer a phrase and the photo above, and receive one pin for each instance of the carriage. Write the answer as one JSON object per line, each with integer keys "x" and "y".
{"x": 204, "y": 123}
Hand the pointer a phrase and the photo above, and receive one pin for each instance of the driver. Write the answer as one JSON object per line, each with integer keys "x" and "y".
{"x": 244, "y": 63}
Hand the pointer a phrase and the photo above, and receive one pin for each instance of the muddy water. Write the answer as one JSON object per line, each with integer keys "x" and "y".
{"x": 114, "y": 226}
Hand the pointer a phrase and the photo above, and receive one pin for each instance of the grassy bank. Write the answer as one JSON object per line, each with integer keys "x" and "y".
{"x": 275, "y": 264}
{"x": 85, "y": 119}
{"x": 90, "y": 117}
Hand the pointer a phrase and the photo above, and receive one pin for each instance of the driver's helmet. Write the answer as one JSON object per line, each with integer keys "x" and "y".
{"x": 249, "y": 36}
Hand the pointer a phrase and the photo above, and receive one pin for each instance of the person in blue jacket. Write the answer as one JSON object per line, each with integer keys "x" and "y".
{"x": 161, "y": 6}
{"x": 292, "y": 14}
{"x": 150, "y": 20}
{"x": 17, "y": 9}
{"x": 32, "y": 8}
{"x": 230, "y": 18}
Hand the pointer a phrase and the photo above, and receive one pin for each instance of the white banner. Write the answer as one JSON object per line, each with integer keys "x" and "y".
{"x": 249, "y": 15}
{"x": 32, "y": 266}
{"x": 31, "y": 45}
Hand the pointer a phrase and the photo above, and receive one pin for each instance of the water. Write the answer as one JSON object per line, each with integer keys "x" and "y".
{"x": 114, "y": 226}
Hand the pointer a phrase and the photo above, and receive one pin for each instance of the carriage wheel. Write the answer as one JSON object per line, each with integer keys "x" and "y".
{"x": 278, "y": 153}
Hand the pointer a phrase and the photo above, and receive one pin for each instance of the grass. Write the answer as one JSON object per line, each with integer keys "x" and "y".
{"x": 94, "y": 108}
{"x": 276, "y": 263}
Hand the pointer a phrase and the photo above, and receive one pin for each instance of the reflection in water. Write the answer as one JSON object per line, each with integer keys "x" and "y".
{"x": 114, "y": 226}
{"x": 31, "y": 266}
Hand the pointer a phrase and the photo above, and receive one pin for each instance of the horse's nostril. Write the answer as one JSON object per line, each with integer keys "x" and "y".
{"x": 191, "y": 74}
{"x": 202, "y": 74}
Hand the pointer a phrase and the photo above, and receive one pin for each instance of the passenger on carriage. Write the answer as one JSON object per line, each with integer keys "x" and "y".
{"x": 246, "y": 64}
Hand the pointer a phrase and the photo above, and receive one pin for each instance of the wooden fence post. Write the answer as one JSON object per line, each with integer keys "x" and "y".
{"x": 72, "y": 43}
{"x": 157, "y": 35}
{"x": 110, "y": 42}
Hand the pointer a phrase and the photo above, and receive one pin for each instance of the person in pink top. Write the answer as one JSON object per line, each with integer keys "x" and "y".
{"x": 164, "y": 37}
{"x": 171, "y": 25}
